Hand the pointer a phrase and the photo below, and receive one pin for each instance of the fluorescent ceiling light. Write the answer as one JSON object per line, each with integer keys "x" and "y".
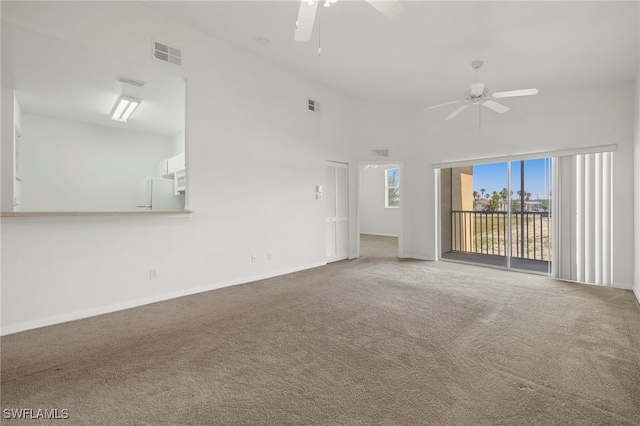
{"x": 124, "y": 108}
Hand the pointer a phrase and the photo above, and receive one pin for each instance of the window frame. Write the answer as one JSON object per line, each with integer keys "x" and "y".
{"x": 387, "y": 187}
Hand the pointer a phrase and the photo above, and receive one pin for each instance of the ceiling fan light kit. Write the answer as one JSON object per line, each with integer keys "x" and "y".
{"x": 479, "y": 95}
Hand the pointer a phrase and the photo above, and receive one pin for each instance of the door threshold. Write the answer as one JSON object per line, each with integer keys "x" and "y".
{"x": 500, "y": 268}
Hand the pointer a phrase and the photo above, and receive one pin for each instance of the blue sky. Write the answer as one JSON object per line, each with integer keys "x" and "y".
{"x": 493, "y": 177}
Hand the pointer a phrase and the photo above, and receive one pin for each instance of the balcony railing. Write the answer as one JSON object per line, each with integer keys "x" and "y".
{"x": 486, "y": 233}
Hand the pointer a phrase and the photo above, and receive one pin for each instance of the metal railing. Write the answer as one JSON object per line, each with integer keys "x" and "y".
{"x": 486, "y": 233}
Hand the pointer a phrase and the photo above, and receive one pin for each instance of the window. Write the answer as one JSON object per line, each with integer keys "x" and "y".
{"x": 392, "y": 188}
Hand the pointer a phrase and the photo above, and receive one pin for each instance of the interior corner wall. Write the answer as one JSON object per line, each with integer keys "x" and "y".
{"x": 73, "y": 166}
{"x": 636, "y": 186}
{"x": 254, "y": 153}
{"x": 375, "y": 218}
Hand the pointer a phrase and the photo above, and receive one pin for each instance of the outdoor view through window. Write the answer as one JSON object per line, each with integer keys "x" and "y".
{"x": 392, "y": 188}
{"x": 484, "y": 214}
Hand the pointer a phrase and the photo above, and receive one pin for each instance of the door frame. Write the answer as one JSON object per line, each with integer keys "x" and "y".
{"x": 361, "y": 165}
{"x": 348, "y": 218}
{"x": 549, "y": 179}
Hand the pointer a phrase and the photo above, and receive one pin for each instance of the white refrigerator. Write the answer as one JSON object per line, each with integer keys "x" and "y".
{"x": 158, "y": 194}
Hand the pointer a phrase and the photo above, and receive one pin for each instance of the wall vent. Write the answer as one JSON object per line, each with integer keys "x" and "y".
{"x": 166, "y": 53}
{"x": 313, "y": 105}
{"x": 380, "y": 152}
{"x": 131, "y": 81}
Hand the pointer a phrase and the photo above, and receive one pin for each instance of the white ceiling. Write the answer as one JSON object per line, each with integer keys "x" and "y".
{"x": 59, "y": 79}
{"x": 423, "y": 55}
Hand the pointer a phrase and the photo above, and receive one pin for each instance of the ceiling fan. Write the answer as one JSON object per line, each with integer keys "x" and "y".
{"x": 308, "y": 9}
{"x": 479, "y": 95}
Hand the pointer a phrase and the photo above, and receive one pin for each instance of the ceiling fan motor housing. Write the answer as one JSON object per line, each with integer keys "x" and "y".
{"x": 477, "y": 89}
{"x": 478, "y": 93}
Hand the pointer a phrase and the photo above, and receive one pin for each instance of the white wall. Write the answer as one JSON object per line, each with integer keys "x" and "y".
{"x": 178, "y": 143}
{"x": 555, "y": 119}
{"x": 73, "y": 166}
{"x": 636, "y": 186}
{"x": 375, "y": 218}
{"x": 255, "y": 155}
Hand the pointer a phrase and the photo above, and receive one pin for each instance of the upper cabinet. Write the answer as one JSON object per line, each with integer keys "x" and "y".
{"x": 174, "y": 168}
{"x": 168, "y": 168}
{"x": 175, "y": 164}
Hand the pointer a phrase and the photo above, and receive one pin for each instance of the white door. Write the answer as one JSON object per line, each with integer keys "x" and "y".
{"x": 336, "y": 201}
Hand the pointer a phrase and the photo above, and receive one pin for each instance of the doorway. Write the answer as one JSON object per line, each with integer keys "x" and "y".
{"x": 498, "y": 214}
{"x": 380, "y": 208}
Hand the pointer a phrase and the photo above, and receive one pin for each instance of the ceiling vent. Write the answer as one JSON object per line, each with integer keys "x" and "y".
{"x": 313, "y": 105}
{"x": 131, "y": 81}
{"x": 380, "y": 152}
{"x": 166, "y": 53}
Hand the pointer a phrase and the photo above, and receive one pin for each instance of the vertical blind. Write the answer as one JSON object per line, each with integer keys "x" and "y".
{"x": 583, "y": 226}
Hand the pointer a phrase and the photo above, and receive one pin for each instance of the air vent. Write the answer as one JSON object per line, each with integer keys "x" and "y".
{"x": 313, "y": 106}
{"x": 380, "y": 152}
{"x": 167, "y": 53}
{"x": 131, "y": 81}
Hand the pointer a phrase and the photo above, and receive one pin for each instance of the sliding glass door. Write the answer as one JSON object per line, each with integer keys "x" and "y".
{"x": 530, "y": 215}
{"x": 498, "y": 215}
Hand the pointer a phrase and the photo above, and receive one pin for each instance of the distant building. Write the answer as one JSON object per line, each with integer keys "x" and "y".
{"x": 534, "y": 206}
{"x": 481, "y": 205}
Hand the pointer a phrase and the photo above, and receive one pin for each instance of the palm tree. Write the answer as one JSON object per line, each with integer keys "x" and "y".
{"x": 482, "y": 191}
{"x": 504, "y": 195}
{"x": 476, "y": 196}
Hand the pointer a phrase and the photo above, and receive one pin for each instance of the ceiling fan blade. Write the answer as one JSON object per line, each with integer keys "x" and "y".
{"x": 458, "y": 111}
{"x": 304, "y": 23}
{"x": 389, "y": 8}
{"x": 496, "y": 106}
{"x": 512, "y": 93}
{"x": 441, "y": 105}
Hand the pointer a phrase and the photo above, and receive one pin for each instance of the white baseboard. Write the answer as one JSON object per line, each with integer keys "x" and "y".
{"x": 72, "y": 316}
{"x": 622, "y": 286}
{"x": 378, "y": 235}
{"x": 636, "y": 291}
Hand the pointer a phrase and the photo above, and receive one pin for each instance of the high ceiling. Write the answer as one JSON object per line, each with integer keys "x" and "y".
{"x": 423, "y": 55}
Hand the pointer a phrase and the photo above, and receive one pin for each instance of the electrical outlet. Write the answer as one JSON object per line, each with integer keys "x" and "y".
{"x": 254, "y": 259}
{"x": 153, "y": 274}
{"x": 268, "y": 256}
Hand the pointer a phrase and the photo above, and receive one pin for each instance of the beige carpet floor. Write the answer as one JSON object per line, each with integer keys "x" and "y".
{"x": 375, "y": 340}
